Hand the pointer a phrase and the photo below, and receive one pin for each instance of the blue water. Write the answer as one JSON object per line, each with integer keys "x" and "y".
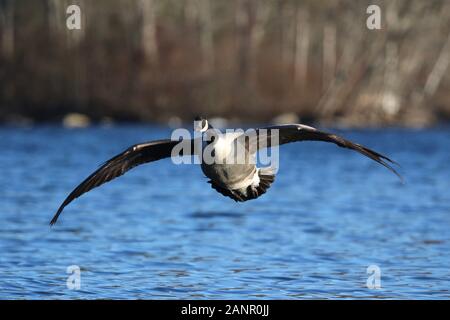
{"x": 161, "y": 232}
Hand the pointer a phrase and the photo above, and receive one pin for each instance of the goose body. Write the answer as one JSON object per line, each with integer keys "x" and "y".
{"x": 239, "y": 180}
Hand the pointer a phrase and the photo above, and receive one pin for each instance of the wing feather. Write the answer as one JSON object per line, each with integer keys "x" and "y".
{"x": 298, "y": 132}
{"x": 115, "y": 167}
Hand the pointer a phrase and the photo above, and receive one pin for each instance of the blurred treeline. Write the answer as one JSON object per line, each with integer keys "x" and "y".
{"x": 154, "y": 60}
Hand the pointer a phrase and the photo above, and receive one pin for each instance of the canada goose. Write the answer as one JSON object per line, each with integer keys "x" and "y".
{"x": 240, "y": 181}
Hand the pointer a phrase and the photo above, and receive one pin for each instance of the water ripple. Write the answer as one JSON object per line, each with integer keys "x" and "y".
{"x": 162, "y": 232}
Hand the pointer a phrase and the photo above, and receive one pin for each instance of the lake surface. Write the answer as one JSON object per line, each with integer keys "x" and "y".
{"x": 161, "y": 231}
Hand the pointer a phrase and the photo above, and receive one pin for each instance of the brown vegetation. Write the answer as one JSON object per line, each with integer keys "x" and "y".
{"x": 150, "y": 60}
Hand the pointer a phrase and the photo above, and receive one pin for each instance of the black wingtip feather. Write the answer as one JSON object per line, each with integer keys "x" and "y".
{"x": 381, "y": 159}
{"x": 53, "y": 221}
{"x": 387, "y": 165}
{"x": 56, "y": 216}
{"x": 118, "y": 165}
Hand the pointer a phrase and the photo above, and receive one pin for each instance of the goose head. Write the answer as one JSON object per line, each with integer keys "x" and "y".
{"x": 201, "y": 124}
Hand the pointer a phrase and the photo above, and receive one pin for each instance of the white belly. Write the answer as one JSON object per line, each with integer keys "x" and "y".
{"x": 227, "y": 163}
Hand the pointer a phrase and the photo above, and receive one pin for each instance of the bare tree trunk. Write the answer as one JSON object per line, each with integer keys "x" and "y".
{"x": 439, "y": 69}
{"x": 391, "y": 91}
{"x": 55, "y": 14}
{"x": 302, "y": 42}
{"x": 148, "y": 39}
{"x": 243, "y": 29}
{"x": 207, "y": 36}
{"x": 329, "y": 54}
{"x": 75, "y": 56}
{"x": 257, "y": 32}
{"x": 286, "y": 30}
{"x": 7, "y": 34}
{"x": 339, "y": 91}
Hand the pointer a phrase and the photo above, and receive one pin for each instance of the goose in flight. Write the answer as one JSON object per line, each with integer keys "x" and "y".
{"x": 240, "y": 180}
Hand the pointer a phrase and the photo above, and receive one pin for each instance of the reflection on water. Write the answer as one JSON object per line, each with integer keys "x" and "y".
{"x": 162, "y": 232}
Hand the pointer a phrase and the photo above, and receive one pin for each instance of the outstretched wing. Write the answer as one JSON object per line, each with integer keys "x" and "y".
{"x": 278, "y": 135}
{"x": 118, "y": 165}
